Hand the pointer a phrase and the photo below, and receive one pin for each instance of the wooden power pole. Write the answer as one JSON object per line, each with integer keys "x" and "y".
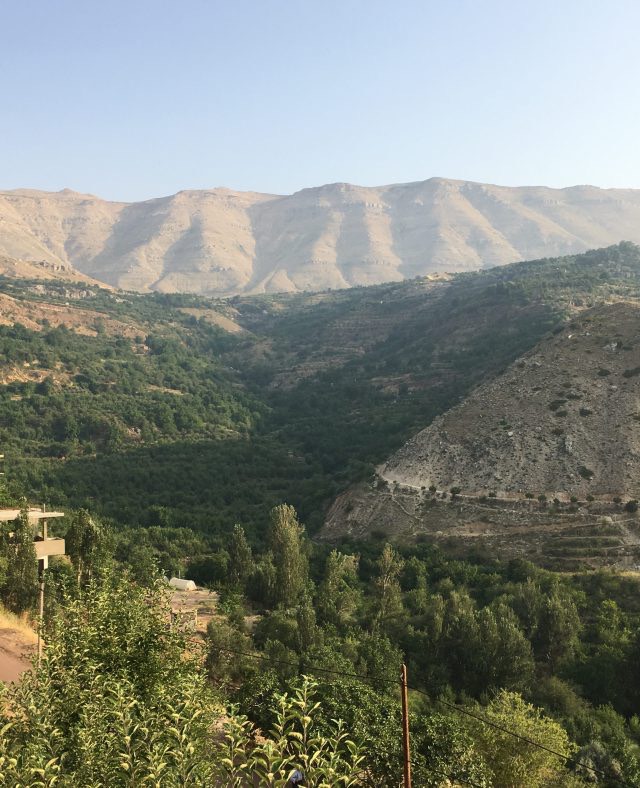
{"x": 41, "y": 566}
{"x": 41, "y": 622}
{"x": 405, "y": 728}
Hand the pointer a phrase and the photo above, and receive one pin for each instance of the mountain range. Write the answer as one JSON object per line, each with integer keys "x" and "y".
{"x": 223, "y": 242}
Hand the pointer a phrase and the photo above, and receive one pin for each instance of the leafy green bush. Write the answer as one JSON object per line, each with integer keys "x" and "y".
{"x": 118, "y": 701}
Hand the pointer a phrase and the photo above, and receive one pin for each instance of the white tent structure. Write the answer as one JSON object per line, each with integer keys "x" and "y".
{"x": 182, "y": 585}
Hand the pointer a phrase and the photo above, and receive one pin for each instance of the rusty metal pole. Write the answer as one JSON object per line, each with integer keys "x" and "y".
{"x": 405, "y": 728}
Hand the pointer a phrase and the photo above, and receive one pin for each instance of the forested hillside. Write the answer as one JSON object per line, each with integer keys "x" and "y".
{"x": 154, "y": 415}
{"x": 185, "y": 439}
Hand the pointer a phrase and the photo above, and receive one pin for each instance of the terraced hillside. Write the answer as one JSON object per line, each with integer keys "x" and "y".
{"x": 543, "y": 461}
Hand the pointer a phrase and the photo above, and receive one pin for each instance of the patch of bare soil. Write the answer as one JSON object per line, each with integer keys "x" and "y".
{"x": 215, "y": 318}
{"x": 194, "y": 608}
{"x": 17, "y": 647}
{"x": 46, "y": 270}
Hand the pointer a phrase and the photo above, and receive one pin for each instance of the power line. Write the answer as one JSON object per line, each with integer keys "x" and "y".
{"x": 393, "y": 682}
{"x": 360, "y": 676}
{"x": 490, "y": 723}
{"x": 311, "y": 668}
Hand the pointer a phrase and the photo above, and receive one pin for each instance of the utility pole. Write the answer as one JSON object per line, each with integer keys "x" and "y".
{"x": 405, "y": 728}
{"x": 41, "y": 614}
{"x": 41, "y": 567}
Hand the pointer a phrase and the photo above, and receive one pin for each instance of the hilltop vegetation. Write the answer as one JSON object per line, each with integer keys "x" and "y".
{"x": 164, "y": 426}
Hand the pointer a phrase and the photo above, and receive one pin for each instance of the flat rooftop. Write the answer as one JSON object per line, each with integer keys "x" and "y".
{"x": 35, "y": 515}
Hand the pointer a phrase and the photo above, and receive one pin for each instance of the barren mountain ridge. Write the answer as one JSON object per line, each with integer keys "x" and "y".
{"x": 222, "y": 242}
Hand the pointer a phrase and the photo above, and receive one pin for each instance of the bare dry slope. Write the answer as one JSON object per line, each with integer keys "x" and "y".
{"x": 545, "y": 456}
{"x": 45, "y": 270}
{"x": 221, "y": 242}
{"x": 564, "y": 420}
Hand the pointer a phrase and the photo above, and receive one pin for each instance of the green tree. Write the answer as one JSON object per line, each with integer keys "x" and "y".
{"x": 114, "y": 681}
{"x": 558, "y": 629}
{"x": 307, "y": 628}
{"x": 380, "y": 659}
{"x": 506, "y": 659}
{"x": 414, "y": 583}
{"x": 338, "y": 598}
{"x": 373, "y": 718}
{"x": 514, "y": 763}
{"x": 327, "y": 755}
{"x": 601, "y": 667}
{"x": 262, "y": 582}
{"x": 224, "y": 661}
{"x": 84, "y": 543}
{"x": 460, "y": 629}
{"x": 286, "y": 540}
{"x": 241, "y": 562}
{"x": 444, "y": 753}
{"x": 388, "y": 597}
{"x": 20, "y": 589}
{"x": 528, "y": 601}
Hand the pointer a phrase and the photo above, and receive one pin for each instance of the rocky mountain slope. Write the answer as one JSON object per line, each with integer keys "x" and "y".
{"x": 45, "y": 270}
{"x": 543, "y": 460}
{"x": 563, "y": 421}
{"x": 223, "y": 242}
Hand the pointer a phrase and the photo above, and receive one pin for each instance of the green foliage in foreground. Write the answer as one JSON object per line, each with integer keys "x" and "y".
{"x": 552, "y": 658}
{"x": 118, "y": 701}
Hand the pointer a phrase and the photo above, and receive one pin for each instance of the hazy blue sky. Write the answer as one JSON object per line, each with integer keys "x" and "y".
{"x": 141, "y": 98}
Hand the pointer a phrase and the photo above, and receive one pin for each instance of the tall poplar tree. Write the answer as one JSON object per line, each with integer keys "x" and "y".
{"x": 338, "y": 596}
{"x": 388, "y": 596}
{"x": 21, "y": 586}
{"x": 84, "y": 541}
{"x": 241, "y": 562}
{"x": 286, "y": 540}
